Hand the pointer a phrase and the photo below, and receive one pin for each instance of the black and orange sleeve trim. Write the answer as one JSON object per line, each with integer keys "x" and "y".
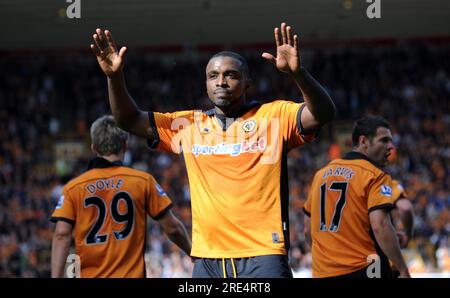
{"x": 151, "y": 119}
{"x": 306, "y": 212}
{"x": 387, "y": 206}
{"x": 68, "y": 220}
{"x": 163, "y": 212}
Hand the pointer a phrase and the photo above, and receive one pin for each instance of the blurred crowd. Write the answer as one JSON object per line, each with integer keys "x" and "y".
{"x": 49, "y": 99}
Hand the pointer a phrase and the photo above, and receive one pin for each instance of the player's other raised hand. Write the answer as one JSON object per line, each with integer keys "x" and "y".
{"x": 110, "y": 60}
{"x": 288, "y": 54}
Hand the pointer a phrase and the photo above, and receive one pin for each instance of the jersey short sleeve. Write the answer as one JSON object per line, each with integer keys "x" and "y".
{"x": 292, "y": 129}
{"x": 65, "y": 209}
{"x": 380, "y": 193}
{"x": 158, "y": 203}
{"x": 168, "y": 129}
{"x": 307, "y": 205}
{"x": 398, "y": 191}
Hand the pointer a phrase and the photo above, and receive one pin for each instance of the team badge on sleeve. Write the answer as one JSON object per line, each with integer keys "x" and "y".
{"x": 386, "y": 190}
{"x": 160, "y": 190}
{"x": 60, "y": 202}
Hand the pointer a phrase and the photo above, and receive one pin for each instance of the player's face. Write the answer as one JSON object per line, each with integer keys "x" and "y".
{"x": 226, "y": 83}
{"x": 380, "y": 147}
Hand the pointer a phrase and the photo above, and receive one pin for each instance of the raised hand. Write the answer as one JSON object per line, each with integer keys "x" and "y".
{"x": 110, "y": 60}
{"x": 288, "y": 55}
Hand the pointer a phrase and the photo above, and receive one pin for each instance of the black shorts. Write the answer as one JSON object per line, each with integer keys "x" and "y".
{"x": 269, "y": 266}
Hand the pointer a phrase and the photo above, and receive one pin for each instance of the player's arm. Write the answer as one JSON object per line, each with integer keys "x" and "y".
{"x": 385, "y": 235}
{"x": 175, "y": 230}
{"x": 62, "y": 238}
{"x": 406, "y": 213}
{"x": 125, "y": 111}
{"x": 320, "y": 108}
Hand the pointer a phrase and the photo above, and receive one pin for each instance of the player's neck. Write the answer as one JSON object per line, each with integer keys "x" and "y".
{"x": 367, "y": 156}
{"x": 231, "y": 111}
{"x": 359, "y": 150}
{"x": 112, "y": 157}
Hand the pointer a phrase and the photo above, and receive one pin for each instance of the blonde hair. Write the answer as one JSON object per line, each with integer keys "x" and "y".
{"x": 106, "y": 136}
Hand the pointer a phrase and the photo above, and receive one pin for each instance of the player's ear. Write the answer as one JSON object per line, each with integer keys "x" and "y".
{"x": 363, "y": 141}
{"x": 93, "y": 149}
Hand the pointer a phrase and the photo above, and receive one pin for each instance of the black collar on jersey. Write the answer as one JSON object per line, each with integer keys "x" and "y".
{"x": 357, "y": 155}
{"x": 244, "y": 109}
{"x": 101, "y": 163}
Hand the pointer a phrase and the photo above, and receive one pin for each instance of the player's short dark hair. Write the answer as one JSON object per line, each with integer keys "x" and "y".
{"x": 244, "y": 64}
{"x": 106, "y": 136}
{"x": 367, "y": 126}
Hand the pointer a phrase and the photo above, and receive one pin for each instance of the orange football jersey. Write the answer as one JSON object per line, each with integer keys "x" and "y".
{"x": 342, "y": 195}
{"x": 108, "y": 206}
{"x": 237, "y": 175}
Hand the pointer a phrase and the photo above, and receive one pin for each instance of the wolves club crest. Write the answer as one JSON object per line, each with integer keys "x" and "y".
{"x": 249, "y": 125}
